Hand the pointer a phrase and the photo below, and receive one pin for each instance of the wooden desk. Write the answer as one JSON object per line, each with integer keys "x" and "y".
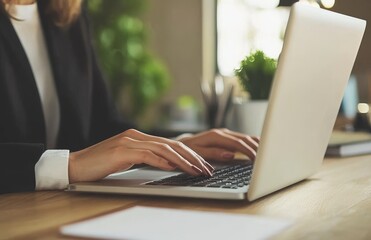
{"x": 333, "y": 204}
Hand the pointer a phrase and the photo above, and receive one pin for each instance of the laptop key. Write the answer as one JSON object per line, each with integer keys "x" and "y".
{"x": 215, "y": 185}
{"x": 233, "y": 176}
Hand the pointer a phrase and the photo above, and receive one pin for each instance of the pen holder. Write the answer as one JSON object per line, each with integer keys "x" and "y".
{"x": 362, "y": 119}
{"x": 217, "y": 97}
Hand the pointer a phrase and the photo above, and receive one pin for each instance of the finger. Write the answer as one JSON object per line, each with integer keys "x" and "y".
{"x": 257, "y": 139}
{"x": 251, "y": 141}
{"x": 135, "y": 134}
{"x": 222, "y": 140}
{"x": 208, "y": 165}
{"x": 165, "y": 151}
{"x": 193, "y": 157}
{"x": 187, "y": 154}
{"x": 216, "y": 154}
{"x": 139, "y": 156}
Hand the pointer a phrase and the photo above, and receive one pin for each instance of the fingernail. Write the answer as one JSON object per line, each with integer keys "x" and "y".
{"x": 228, "y": 155}
{"x": 196, "y": 169}
{"x": 211, "y": 168}
{"x": 208, "y": 172}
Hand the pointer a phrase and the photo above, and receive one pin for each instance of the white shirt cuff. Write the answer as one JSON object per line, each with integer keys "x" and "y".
{"x": 51, "y": 171}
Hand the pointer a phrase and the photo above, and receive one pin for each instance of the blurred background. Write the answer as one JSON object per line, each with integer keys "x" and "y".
{"x": 156, "y": 53}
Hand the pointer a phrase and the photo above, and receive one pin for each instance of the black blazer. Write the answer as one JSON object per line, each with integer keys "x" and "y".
{"x": 88, "y": 114}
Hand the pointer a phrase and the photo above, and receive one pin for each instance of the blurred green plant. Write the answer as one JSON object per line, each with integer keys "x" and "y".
{"x": 120, "y": 38}
{"x": 256, "y": 73}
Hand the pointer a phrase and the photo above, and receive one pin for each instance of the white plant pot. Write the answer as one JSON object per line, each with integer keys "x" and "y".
{"x": 248, "y": 116}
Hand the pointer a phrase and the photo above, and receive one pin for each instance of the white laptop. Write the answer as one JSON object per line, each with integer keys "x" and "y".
{"x": 319, "y": 51}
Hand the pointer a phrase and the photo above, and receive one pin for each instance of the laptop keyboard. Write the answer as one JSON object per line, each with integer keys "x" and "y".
{"x": 234, "y": 176}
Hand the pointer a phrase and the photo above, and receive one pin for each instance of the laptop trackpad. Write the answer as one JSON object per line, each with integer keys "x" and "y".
{"x": 140, "y": 175}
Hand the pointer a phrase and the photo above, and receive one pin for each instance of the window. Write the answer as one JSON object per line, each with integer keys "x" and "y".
{"x": 247, "y": 25}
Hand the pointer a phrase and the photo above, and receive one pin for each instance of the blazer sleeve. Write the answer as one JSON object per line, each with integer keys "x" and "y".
{"x": 17, "y": 171}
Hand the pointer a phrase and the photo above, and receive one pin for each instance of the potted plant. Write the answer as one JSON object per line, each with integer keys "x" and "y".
{"x": 255, "y": 75}
{"x": 136, "y": 76}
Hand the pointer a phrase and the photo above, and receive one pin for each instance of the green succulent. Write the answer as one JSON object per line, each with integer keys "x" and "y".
{"x": 256, "y": 73}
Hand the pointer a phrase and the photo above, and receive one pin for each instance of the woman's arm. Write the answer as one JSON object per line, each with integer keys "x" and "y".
{"x": 133, "y": 147}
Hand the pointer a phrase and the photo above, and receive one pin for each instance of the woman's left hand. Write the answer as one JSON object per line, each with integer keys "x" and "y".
{"x": 222, "y": 144}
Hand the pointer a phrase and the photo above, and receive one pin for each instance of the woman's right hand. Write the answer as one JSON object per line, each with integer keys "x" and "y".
{"x": 133, "y": 147}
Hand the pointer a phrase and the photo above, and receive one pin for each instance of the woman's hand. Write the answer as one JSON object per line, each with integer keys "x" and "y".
{"x": 133, "y": 147}
{"x": 222, "y": 144}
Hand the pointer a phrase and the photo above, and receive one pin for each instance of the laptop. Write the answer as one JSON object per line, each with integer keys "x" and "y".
{"x": 319, "y": 51}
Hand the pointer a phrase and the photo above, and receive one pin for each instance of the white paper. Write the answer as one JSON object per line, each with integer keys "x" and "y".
{"x": 142, "y": 223}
